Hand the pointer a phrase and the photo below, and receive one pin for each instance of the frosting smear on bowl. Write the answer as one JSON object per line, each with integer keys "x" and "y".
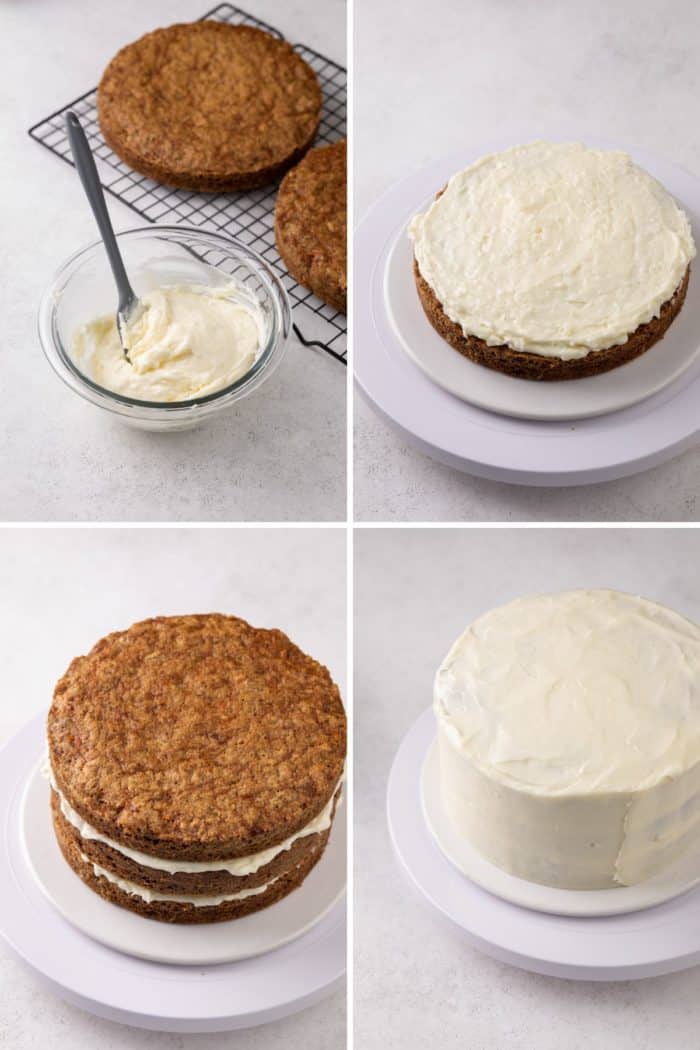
{"x": 187, "y": 342}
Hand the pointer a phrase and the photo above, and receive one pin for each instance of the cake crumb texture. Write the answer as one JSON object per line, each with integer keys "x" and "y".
{"x": 311, "y": 223}
{"x": 197, "y": 737}
{"x": 209, "y": 106}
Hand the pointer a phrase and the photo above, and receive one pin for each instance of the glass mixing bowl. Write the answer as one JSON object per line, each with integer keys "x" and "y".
{"x": 83, "y": 289}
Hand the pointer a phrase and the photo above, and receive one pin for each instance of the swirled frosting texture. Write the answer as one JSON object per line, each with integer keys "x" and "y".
{"x": 585, "y": 691}
{"x": 188, "y": 341}
{"x": 569, "y": 734}
{"x": 555, "y": 249}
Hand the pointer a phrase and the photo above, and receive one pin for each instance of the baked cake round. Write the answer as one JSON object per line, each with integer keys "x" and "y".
{"x": 311, "y": 223}
{"x": 552, "y": 261}
{"x": 569, "y": 738}
{"x": 195, "y": 764}
{"x": 209, "y": 106}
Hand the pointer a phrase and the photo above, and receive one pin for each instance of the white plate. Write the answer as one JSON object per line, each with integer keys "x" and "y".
{"x": 182, "y": 945}
{"x": 134, "y": 991}
{"x": 523, "y": 399}
{"x": 481, "y": 442}
{"x": 658, "y": 940}
{"x": 678, "y": 879}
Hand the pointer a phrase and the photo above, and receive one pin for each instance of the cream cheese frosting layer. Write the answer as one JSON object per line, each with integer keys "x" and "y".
{"x": 569, "y": 735}
{"x": 187, "y": 342}
{"x": 239, "y": 866}
{"x": 553, "y": 248}
{"x": 581, "y": 691}
{"x": 149, "y": 895}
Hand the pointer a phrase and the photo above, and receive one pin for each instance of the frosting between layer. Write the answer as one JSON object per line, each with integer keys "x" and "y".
{"x": 555, "y": 249}
{"x": 149, "y": 895}
{"x": 239, "y": 866}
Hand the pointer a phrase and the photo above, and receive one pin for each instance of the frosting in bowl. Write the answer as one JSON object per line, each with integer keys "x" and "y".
{"x": 188, "y": 341}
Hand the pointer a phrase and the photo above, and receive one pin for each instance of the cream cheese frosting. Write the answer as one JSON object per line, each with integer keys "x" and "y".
{"x": 238, "y": 866}
{"x": 188, "y": 341}
{"x": 569, "y": 734}
{"x": 553, "y": 248}
{"x": 149, "y": 895}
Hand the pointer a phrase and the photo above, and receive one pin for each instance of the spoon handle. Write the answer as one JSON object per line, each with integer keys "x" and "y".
{"x": 85, "y": 164}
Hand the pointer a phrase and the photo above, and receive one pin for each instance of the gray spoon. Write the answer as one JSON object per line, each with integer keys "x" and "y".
{"x": 129, "y": 305}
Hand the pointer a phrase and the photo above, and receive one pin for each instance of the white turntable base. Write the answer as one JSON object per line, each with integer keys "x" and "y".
{"x": 133, "y": 991}
{"x": 520, "y": 451}
{"x": 659, "y": 940}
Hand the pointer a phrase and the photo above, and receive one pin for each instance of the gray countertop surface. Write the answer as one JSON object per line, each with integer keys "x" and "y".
{"x": 418, "y": 984}
{"x": 62, "y": 590}
{"x": 278, "y": 455}
{"x": 439, "y": 75}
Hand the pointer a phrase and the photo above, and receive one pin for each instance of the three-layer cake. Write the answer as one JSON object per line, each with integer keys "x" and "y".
{"x": 195, "y": 764}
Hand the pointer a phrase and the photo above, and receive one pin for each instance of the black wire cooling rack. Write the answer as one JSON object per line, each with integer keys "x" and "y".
{"x": 248, "y": 216}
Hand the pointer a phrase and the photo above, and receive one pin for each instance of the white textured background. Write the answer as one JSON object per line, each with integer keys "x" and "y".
{"x": 62, "y": 589}
{"x": 278, "y": 455}
{"x": 437, "y": 74}
{"x": 418, "y": 984}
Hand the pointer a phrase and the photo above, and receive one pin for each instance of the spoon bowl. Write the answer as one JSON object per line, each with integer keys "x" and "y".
{"x": 157, "y": 256}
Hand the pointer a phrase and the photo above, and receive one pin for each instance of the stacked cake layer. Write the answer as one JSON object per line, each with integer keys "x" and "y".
{"x": 195, "y": 765}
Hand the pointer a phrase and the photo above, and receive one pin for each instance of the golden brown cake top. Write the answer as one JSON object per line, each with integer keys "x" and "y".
{"x": 311, "y": 220}
{"x": 209, "y": 99}
{"x": 197, "y": 737}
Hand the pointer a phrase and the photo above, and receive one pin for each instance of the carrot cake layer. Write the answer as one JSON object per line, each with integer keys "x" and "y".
{"x": 549, "y": 258}
{"x": 194, "y": 756}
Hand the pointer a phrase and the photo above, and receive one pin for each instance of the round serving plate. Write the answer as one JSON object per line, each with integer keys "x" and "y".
{"x": 678, "y": 879}
{"x": 200, "y": 997}
{"x": 659, "y": 939}
{"x": 495, "y": 426}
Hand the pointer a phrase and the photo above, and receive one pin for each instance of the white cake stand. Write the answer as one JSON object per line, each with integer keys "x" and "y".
{"x": 411, "y": 390}
{"x": 647, "y": 943}
{"x": 135, "y": 991}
